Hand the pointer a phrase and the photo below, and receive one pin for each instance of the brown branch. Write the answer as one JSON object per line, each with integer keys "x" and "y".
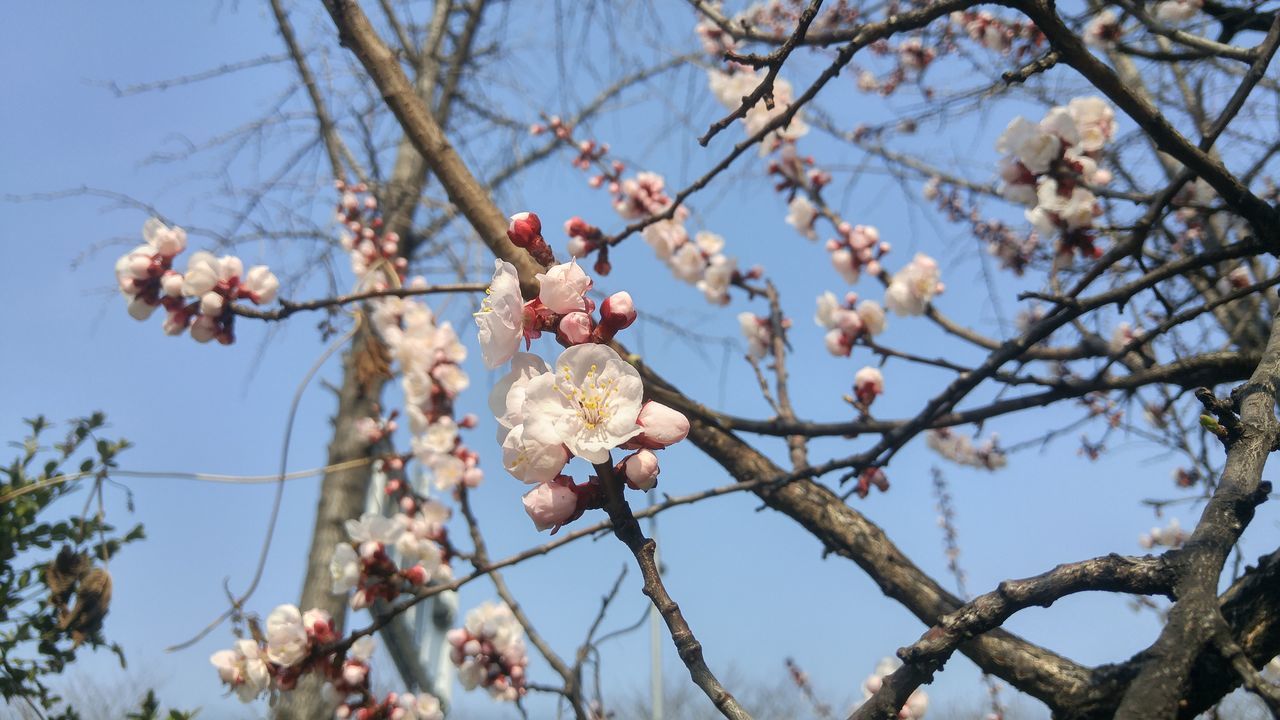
{"x": 1111, "y": 573}
{"x": 774, "y": 61}
{"x": 1165, "y": 673}
{"x": 1073, "y": 52}
{"x": 335, "y": 149}
{"x": 688, "y": 648}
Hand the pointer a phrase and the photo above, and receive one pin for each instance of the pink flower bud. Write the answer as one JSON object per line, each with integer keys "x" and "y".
{"x": 574, "y": 329}
{"x": 867, "y": 384}
{"x": 662, "y": 426}
{"x": 171, "y": 283}
{"x": 416, "y": 575}
{"x": 618, "y": 311}
{"x": 641, "y": 470}
{"x": 354, "y": 673}
{"x": 550, "y": 505}
{"x": 524, "y": 230}
{"x": 211, "y": 304}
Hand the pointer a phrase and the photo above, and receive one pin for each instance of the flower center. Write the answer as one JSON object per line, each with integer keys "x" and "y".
{"x": 593, "y": 396}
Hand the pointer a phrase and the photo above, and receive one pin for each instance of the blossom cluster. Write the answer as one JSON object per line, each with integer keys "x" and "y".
{"x": 1013, "y": 249}
{"x": 588, "y": 404}
{"x": 1048, "y": 167}
{"x": 200, "y": 298}
{"x": 998, "y": 34}
{"x": 293, "y": 644}
{"x": 917, "y": 704}
{"x": 857, "y": 249}
{"x": 363, "y": 563}
{"x": 961, "y": 449}
{"x": 698, "y": 260}
{"x": 913, "y": 287}
{"x": 757, "y": 330}
{"x": 371, "y": 246}
{"x": 1170, "y": 536}
{"x": 427, "y": 351}
{"x": 429, "y": 354}
{"x": 490, "y": 653}
{"x": 847, "y": 322}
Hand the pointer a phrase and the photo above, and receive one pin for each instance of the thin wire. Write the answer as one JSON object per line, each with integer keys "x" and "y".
{"x": 187, "y": 475}
{"x": 237, "y": 603}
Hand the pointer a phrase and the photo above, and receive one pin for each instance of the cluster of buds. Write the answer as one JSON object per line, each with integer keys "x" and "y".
{"x": 1101, "y": 405}
{"x": 562, "y": 307}
{"x": 363, "y": 236}
{"x": 846, "y": 322}
{"x": 962, "y": 450}
{"x": 199, "y": 299}
{"x": 1012, "y": 249}
{"x": 365, "y": 565}
{"x": 429, "y": 354}
{"x": 1048, "y": 166}
{"x": 793, "y": 172}
{"x": 857, "y": 249}
{"x": 917, "y": 704}
{"x": 1014, "y": 37}
{"x": 911, "y": 58}
{"x": 914, "y": 55}
{"x": 294, "y": 644}
{"x": 699, "y": 262}
{"x": 275, "y": 657}
{"x": 591, "y": 403}
{"x": 913, "y": 287}
{"x": 1170, "y": 536}
{"x": 489, "y": 652}
{"x": 554, "y": 125}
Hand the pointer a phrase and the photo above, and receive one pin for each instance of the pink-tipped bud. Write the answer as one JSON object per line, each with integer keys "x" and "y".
{"x": 524, "y": 230}
{"x": 574, "y": 329}
{"x": 416, "y": 575}
{"x": 662, "y": 426}
{"x": 618, "y": 311}
{"x": 551, "y": 505}
{"x": 867, "y": 384}
{"x": 641, "y": 470}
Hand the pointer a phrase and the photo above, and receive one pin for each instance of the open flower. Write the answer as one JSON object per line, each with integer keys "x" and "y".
{"x": 243, "y": 669}
{"x": 533, "y": 451}
{"x": 501, "y": 316}
{"x": 564, "y": 288}
{"x": 287, "y": 641}
{"x": 344, "y": 568}
{"x": 592, "y": 397}
{"x": 507, "y": 398}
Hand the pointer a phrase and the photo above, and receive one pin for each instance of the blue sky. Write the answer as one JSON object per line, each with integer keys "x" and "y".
{"x": 754, "y": 586}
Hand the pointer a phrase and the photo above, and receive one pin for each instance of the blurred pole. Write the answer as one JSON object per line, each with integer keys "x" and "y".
{"x": 655, "y": 635}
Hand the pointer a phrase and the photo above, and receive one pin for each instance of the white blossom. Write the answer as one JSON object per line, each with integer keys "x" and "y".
{"x": 501, "y": 316}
